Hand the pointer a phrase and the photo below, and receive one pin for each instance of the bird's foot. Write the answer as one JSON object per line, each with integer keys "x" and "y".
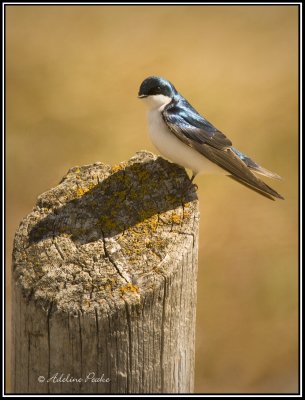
{"x": 188, "y": 186}
{"x": 195, "y": 186}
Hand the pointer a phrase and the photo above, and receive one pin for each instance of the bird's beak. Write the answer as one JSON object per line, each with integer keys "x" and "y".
{"x": 142, "y": 96}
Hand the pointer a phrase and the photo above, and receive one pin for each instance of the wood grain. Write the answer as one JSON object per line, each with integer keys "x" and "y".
{"x": 104, "y": 282}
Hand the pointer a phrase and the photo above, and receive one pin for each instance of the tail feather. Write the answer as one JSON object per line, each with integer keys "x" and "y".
{"x": 265, "y": 172}
{"x": 254, "y": 166}
{"x": 239, "y": 168}
{"x": 262, "y": 189}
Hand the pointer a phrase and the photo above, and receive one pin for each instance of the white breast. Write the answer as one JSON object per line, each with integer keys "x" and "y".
{"x": 173, "y": 148}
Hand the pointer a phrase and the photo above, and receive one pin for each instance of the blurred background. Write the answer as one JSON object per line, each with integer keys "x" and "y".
{"x": 72, "y": 75}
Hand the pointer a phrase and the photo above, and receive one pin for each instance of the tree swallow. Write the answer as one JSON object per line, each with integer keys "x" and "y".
{"x": 181, "y": 134}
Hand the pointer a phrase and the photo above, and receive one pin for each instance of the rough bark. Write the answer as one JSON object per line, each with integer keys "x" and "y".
{"x": 104, "y": 282}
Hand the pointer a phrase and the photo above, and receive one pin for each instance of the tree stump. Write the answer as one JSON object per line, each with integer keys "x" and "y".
{"x": 104, "y": 282}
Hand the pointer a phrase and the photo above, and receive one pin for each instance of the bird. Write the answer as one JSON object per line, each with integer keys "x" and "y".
{"x": 184, "y": 136}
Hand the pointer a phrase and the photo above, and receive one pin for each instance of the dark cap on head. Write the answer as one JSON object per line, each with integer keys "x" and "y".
{"x": 155, "y": 85}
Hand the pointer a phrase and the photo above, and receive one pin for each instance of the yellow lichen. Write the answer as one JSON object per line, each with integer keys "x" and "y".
{"x": 118, "y": 167}
{"x": 80, "y": 191}
{"x": 129, "y": 288}
{"x": 107, "y": 223}
{"x": 121, "y": 195}
{"x": 87, "y": 302}
{"x": 176, "y": 218}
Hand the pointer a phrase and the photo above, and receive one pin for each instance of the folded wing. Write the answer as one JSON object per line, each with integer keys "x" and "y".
{"x": 196, "y": 132}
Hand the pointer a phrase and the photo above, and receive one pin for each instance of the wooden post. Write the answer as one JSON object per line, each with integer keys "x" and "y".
{"x": 104, "y": 282}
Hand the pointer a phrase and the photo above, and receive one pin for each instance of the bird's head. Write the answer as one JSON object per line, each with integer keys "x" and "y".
{"x": 156, "y": 92}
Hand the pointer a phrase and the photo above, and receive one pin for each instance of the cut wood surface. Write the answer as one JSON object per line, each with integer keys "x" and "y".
{"x": 104, "y": 282}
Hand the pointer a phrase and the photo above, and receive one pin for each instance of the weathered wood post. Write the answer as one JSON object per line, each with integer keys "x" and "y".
{"x": 104, "y": 282}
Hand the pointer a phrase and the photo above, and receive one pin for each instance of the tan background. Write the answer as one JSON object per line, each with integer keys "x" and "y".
{"x": 72, "y": 79}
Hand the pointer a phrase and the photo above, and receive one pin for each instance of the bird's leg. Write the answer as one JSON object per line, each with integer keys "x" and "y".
{"x": 189, "y": 184}
{"x": 192, "y": 178}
